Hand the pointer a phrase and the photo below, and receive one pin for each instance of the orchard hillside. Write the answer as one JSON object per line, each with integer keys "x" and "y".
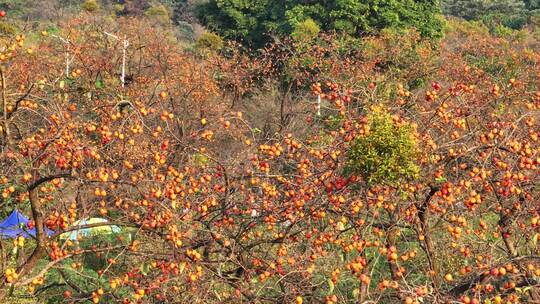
{"x": 247, "y": 152}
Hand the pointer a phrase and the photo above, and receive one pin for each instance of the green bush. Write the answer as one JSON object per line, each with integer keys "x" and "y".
{"x": 306, "y": 30}
{"x": 466, "y": 27}
{"x": 209, "y": 41}
{"x": 90, "y": 5}
{"x": 500, "y": 30}
{"x": 185, "y": 30}
{"x": 387, "y": 153}
{"x": 159, "y": 13}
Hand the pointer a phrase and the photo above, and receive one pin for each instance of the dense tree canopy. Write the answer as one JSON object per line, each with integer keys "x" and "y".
{"x": 475, "y": 9}
{"x": 509, "y": 13}
{"x": 251, "y": 20}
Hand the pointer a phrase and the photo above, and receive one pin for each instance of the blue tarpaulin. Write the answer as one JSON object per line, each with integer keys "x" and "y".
{"x": 16, "y": 224}
{"x": 14, "y": 219}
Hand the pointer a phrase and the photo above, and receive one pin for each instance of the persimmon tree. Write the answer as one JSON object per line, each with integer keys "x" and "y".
{"x": 416, "y": 183}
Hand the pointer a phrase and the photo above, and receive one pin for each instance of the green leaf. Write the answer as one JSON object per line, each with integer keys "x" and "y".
{"x": 501, "y": 108}
{"x": 330, "y": 286}
{"x": 441, "y": 179}
{"x": 145, "y": 268}
{"x": 181, "y": 267}
{"x": 99, "y": 83}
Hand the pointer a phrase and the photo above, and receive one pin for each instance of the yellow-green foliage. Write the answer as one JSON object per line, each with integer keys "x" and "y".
{"x": 199, "y": 159}
{"x": 466, "y": 27}
{"x": 7, "y": 29}
{"x": 387, "y": 153}
{"x": 306, "y": 31}
{"x": 159, "y": 13}
{"x": 209, "y": 41}
{"x": 118, "y": 8}
{"x": 90, "y": 5}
